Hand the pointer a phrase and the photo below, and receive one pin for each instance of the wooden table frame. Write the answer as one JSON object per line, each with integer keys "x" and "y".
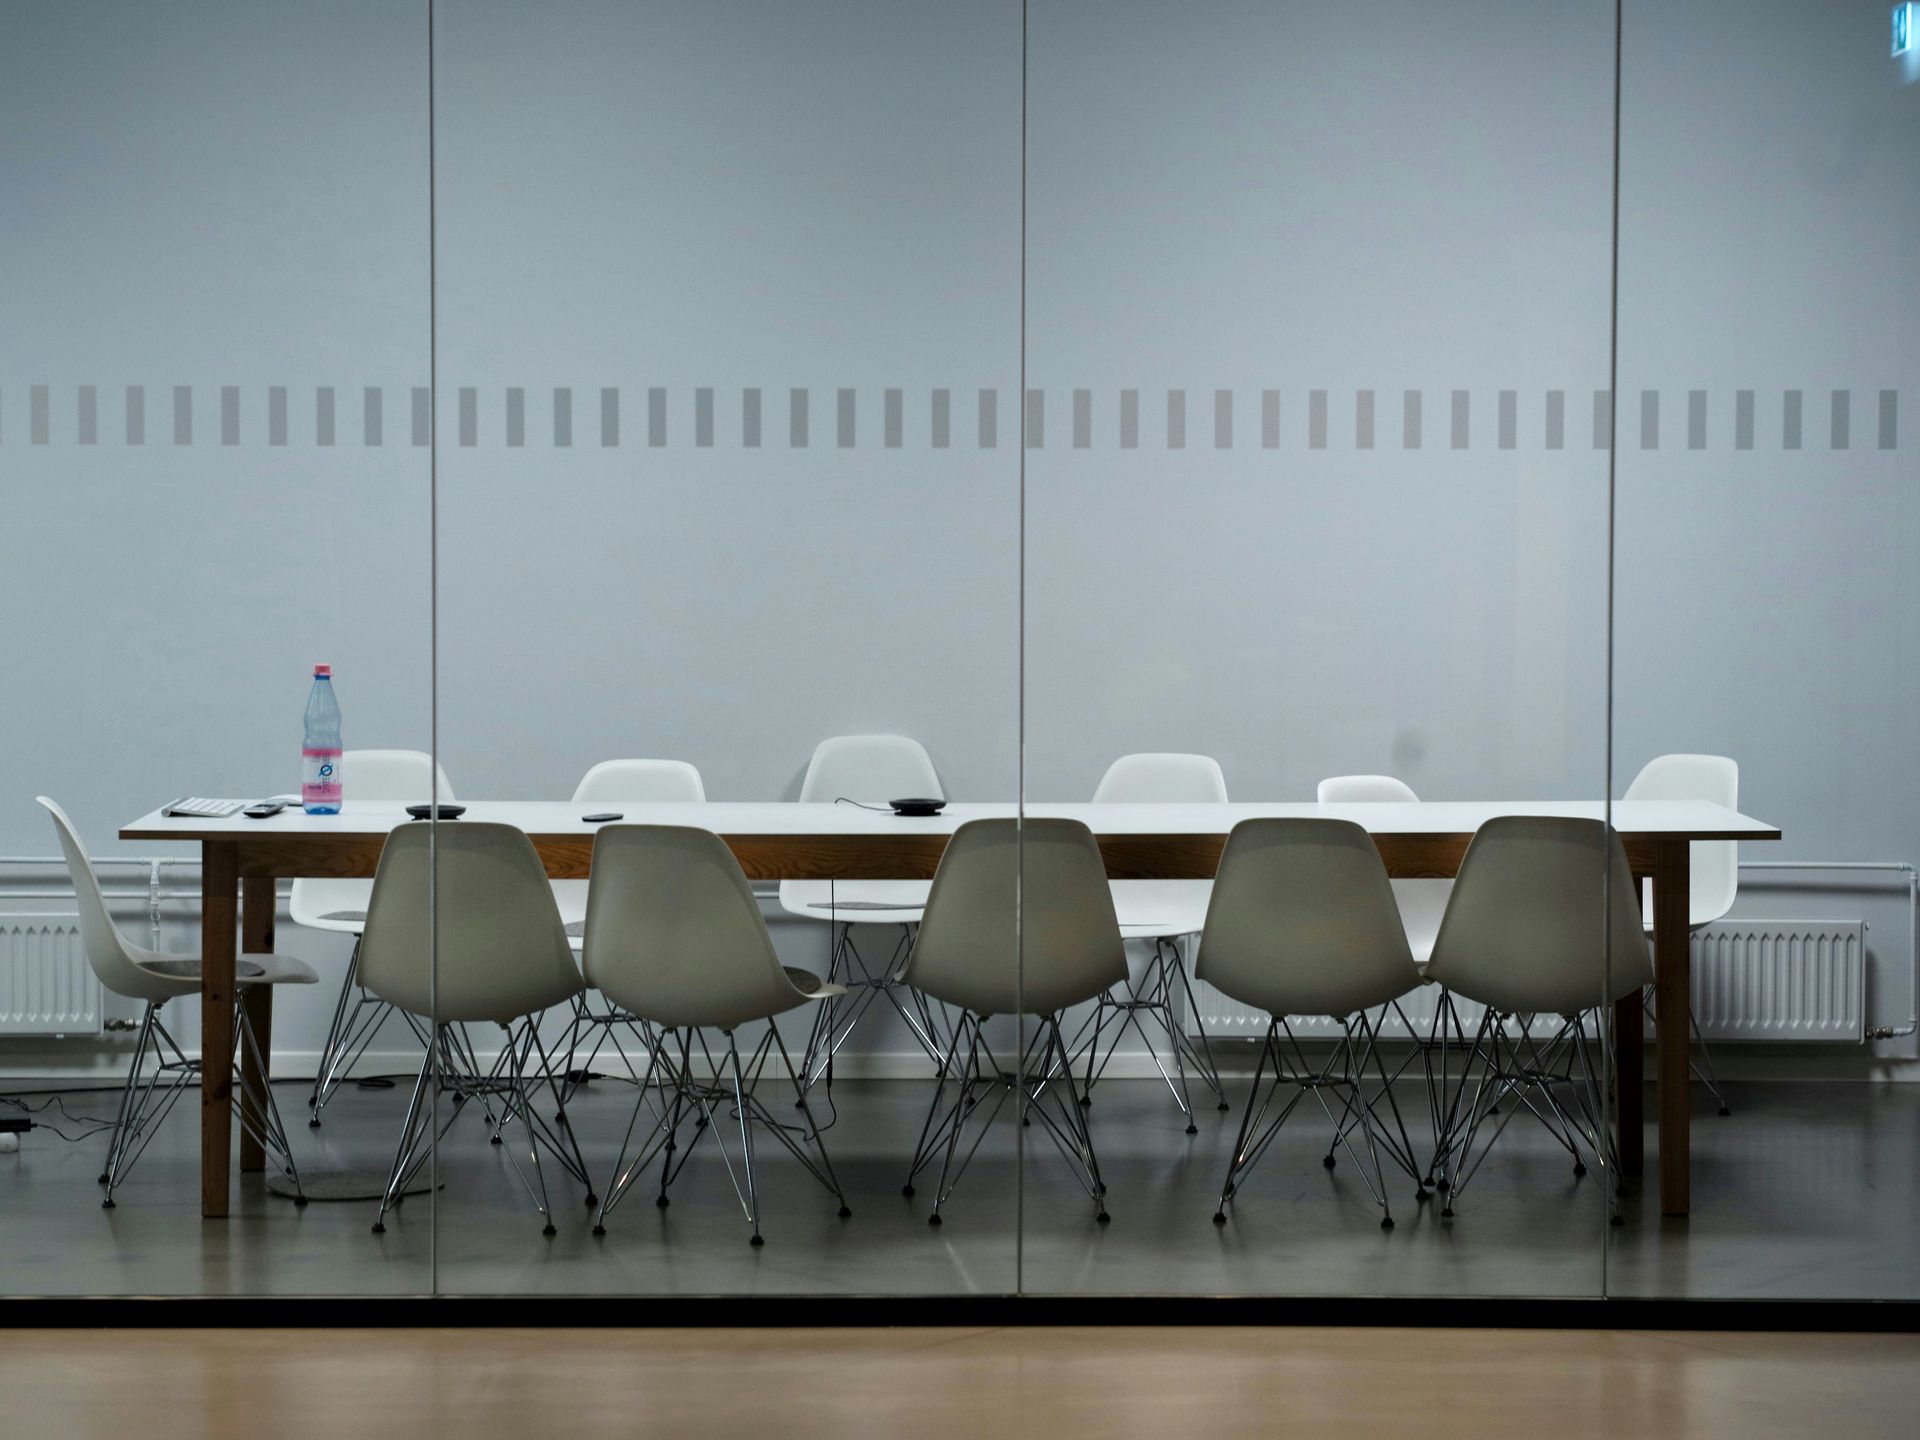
{"x": 250, "y": 864}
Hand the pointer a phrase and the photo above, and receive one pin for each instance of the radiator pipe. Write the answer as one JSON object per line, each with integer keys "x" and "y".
{"x": 1876, "y": 1032}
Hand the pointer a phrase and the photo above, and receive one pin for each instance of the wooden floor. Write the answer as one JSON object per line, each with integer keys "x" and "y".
{"x": 931, "y": 1384}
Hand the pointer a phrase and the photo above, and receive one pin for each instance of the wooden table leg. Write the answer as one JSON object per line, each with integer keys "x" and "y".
{"x": 1629, "y": 1069}
{"x": 1672, "y": 878}
{"x": 256, "y": 938}
{"x": 219, "y": 882}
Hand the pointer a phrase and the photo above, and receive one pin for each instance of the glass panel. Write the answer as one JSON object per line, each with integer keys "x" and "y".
{"x": 214, "y": 284}
{"x": 1318, "y": 305}
{"x": 1766, "y": 607}
{"x": 728, "y": 304}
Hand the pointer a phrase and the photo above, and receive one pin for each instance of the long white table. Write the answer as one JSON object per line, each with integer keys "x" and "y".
{"x": 780, "y": 841}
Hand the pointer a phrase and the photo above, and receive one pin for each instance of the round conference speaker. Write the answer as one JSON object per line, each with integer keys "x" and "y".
{"x": 917, "y": 806}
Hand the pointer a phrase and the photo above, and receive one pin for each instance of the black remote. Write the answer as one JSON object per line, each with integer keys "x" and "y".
{"x": 602, "y": 817}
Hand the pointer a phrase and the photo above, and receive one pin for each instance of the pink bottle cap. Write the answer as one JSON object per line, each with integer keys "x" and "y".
{"x": 326, "y": 670}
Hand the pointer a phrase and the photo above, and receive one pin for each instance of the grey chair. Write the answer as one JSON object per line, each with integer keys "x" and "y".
{"x": 153, "y": 978}
{"x": 1019, "y": 922}
{"x": 503, "y": 959}
{"x": 1303, "y": 922}
{"x": 675, "y": 938}
{"x": 1543, "y": 926}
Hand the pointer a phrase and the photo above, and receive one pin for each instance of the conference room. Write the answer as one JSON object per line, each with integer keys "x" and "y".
{"x": 1243, "y": 653}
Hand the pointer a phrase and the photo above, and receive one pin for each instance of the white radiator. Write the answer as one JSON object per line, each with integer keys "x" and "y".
{"x": 1753, "y": 980}
{"x": 46, "y": 985}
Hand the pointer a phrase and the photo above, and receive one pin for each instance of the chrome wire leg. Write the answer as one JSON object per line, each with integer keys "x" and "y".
{"x": 1158, "y": 993}
{"x": 259, "y": 1113}
{"x": 1700, "y": 1061}
{"x": 835, "y": 1021}
{"x": 357, "y": 1022}
{"x": 410, "y": 1130}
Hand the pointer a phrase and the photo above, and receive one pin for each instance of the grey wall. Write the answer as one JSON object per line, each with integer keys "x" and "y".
{"x": 1232, "y": 197}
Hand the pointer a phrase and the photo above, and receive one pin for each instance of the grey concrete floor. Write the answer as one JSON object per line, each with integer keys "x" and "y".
{"x": 1807, "y": 1191}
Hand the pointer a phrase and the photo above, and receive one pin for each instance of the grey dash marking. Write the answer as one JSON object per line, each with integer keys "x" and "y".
{"x": 323, "y": 415}
{"x": 1269, "y": 419}
{"x": 1036, "y": 419}
{"x": 276, "y": 415}
{"x": 703, "y": 417}
{"x": 656, "y": 417}
{"x": 39, "y": 421}
{"x": 373, "y": 416}
{"x": 989, "y": 419}
{"x": 1509, "y": 419}
{"x": 1410, "y": 420}
{"x": 516, "y": 417}
{"x": 1083, "y": 419}
{"x": 609, "y": 416}
{"x": 797, "y": 418}
{"x": 1842, "y": 430}
{"x": 940, "y": 422}
{"x": 844, "y": 418}
{"x": 750, "y": 418}
{"x": 1556, "y": 426}
{"x": 136, "y": 414}
{"x": 1363, "y": 420}
{"x": 1129, "y": 419}
{"x": 422, "y": 415}
{"x": 1603, "y": 419}
{"x": 1743, "y": 419}
{"x": 469, "y": 416}
{"x": 183, "y": 415}
{"x": 1649, "y": 419}
{"x": 1223, "y": 419}
{"x": 893, "y": 419}
{"x": 562, "y": 417}
{"x": 1460, "y": 419}
{"x": 1316, "y": 419}
{"x": 1790, "y": 420}
{"x": 229, "y": 414}
{"x": 1176, "y": 419}
{"x": 87, "y": 421}
{"x": 1696, "y": 420}
{"x": 1889, "y": 419}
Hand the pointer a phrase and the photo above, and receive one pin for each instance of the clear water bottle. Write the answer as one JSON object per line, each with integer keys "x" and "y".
{"x": 320, "y": 754}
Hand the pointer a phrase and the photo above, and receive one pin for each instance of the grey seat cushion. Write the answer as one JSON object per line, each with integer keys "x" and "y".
{"x": 358, "y": 917}
{"x": 190, "y": 969}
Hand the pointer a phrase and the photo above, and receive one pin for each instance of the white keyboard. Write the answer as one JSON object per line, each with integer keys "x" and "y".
{"x": 201, "y": 809}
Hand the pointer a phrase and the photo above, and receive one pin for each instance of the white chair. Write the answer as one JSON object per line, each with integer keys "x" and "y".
{"x": 1523, "y": 936}
{"x": 1713, "y": 865}
{"x": 1019, "y": 921}
{"x": 153, "y": 978}
{"x": 1421, "y": 902}
{"x": 611, "y": 784}
{"x": 340, "y": 906}
{"x": 1303, "y": 922}
{"x": 675, "y": 938}
{"x": 502, "y": 957}
{"x": 869, "y": 770}
{"x": 1168, "y": 913}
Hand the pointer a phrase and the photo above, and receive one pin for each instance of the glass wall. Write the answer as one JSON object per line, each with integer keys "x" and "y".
{"x": 1423, "y": 437}
{"x": 214, "y": 475}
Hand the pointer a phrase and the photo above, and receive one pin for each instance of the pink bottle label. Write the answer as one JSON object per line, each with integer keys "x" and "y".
{"x": 321, "y": 778}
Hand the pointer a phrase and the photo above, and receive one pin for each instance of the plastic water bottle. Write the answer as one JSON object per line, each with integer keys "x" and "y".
{"x": 320, "y": 755}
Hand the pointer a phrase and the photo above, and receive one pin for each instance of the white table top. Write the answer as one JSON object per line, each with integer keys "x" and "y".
{"x": 549, "y": 817}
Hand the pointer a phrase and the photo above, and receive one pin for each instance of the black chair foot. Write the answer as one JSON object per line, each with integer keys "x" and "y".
{"x": 1086, "y": 1099}
{"x": 379, "y": 1227}
{"x": 299, "y": 1202}
{"x": 845, "y": 1212}
{"x": 549, "y": 1229}
{"x": 1327, "y": 1160}
{"x": 1103, "y": 1217}
{"x": 313, "y": 1123}
{"x": 592, "y": 1200}
{"x": 1428, "y": 1182}
{"x": 496, "y": 1140}
{"x": 1386, "y": 1222}
{"x": 907, "y": 1190}
{"x": 103, "y": 1177}
{"x": 107, "y": 1204}
{"x": 1219, "y": 1217}
{"x": 1193, "y": 1129}
{"x": 1724, "y": 1111}
{"x": 1444, "y": 1185}
{"x": 599, "y": 1229}
{"x": 1222, "y": 1106}
{"x": 757, "y": 1241}
{"x": 1422, "y": 1194}
{"x": 662, "y": 1201}
{"x": 1618, "y": 1218}
{"x": 934, "y": 1219}
{"x": 1579, "y": 1169}
{"x": 1446, "y": 1212}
